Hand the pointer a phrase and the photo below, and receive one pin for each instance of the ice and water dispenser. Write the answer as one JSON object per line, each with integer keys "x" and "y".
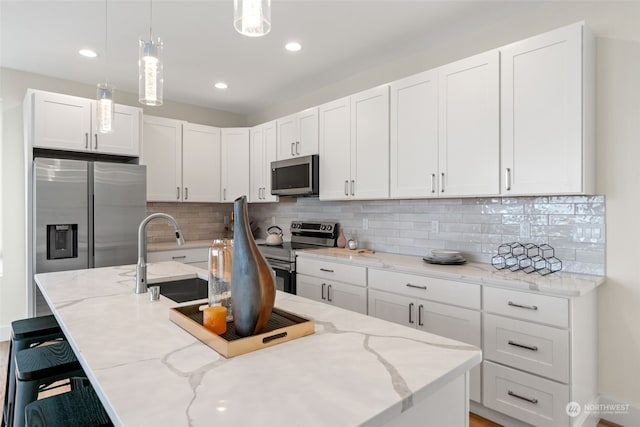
{"x": 62, "y": 241}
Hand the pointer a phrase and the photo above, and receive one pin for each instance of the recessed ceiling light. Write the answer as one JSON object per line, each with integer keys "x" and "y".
{"x": 293, "y": 46}
{"x": 88, "y": 53}
{"x": 221, "y": 85}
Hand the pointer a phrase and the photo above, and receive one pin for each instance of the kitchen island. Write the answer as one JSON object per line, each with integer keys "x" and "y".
{"x": 354, "y": 370}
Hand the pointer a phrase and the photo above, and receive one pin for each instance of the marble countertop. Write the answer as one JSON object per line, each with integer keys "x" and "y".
{"x": 354, "y": 370}
{"x": 558, "y": 284}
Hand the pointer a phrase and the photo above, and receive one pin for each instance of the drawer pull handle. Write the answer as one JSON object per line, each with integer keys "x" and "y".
{"x": 409, "y": 285}
{"x": 528, "y": 347}
{"x": 322, "y": 291}
{"x": 179, "y": 257}
{"x": 528, "y": 307}
{"x": 410, "y": 313}
{"x": 326, "y": 270}
{"x": 329, "y": 294}
{"x": 420, "y": 308}
{"x": 528, "y": 399}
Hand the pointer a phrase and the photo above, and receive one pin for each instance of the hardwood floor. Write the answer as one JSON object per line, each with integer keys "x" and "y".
{"x": 474, "y": 420}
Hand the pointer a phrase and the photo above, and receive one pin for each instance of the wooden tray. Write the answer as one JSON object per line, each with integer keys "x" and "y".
{"x": 282, "y": 326}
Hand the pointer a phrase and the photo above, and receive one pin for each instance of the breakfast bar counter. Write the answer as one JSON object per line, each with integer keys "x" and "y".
{"x": 354, "y": 370}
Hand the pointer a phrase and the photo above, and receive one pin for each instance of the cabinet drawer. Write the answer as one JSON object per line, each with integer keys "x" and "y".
{"x": 441, "y": 290}
{"x": 538, "y": 349}
{"x": 339, "y": 294}
{"x": 526, "y": 397}
{"x": 187, "y": 256}
{"x": 527, "y": 306}
{"x": 332, "y": 271}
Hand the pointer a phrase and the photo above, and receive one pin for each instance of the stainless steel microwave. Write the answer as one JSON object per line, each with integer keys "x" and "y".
{"x": 295, "y": 177}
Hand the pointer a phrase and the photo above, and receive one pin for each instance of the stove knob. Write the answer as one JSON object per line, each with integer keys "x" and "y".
{"x": 323, "y": 227}
{"x": 329, "y": 227}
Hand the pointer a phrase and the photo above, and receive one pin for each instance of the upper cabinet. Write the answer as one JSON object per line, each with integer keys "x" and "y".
{"x": 354, "y": 146}
{"x": 469, "y": 127}
{"x": 182, "y": 159}
{"x": 547, "y": 118}
{"x": 234, "y": 163}
{"x": 200, "y": 163}
{"x": 64, "y": 122}
{"x": 445, "y": 130}
{"x": 262, "y": 151}
{"x": 298, "y": 134}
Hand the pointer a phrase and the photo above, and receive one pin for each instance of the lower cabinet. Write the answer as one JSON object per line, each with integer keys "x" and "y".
{"x": 457, "y": 323}
{"x": 343, "y": 295}
{"x": 198, "y": 257}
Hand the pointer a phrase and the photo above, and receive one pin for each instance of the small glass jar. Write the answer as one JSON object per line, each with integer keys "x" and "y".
{"x": 220, "y": 274}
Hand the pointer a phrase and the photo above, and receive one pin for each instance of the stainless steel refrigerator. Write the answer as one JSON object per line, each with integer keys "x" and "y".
{"x": 86, "y": 215}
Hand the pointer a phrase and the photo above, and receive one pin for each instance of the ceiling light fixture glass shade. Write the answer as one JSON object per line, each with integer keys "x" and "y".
{"x": 150, "y": 72}
{"x": 252, "y": 17}
{"x": 105, "y": 108}
{"x": 104, "y": 98}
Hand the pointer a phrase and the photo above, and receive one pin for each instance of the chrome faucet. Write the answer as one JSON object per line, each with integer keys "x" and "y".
{"x": 141, "y": 267}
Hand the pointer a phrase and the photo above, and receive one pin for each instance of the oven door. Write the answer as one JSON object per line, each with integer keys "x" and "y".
{"x": 285, "y": 276}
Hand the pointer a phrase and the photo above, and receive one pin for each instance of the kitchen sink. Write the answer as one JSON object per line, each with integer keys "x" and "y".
{"x": 184, "y": 290}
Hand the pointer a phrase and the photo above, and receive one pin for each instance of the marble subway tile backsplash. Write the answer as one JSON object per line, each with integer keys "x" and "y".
{"x": 573, "y": 225}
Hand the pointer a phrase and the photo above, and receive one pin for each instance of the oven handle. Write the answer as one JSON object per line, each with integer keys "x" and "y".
{"x": 277, "y": 264}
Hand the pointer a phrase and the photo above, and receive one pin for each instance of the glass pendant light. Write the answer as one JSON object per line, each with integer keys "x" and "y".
{"x": 252, "y": 17}
{"x": 150, "y": 68}
{"x": 105, "y": 106}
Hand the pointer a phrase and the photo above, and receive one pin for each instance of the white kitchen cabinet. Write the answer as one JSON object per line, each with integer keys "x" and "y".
{"x": 469, "y": 126}
{"x": 540, "y": 353}
{"x": 337, "y": 284}
{"x": 234, "y": 163}
{"x": 445, "y": 127}
{"x": 547, "y": 113}
{"x": 414, "y": 136}
{"x": 444, "y": 307}
{"x": 162, "y": 154}
{"x": 335, "y": 149}
{"x": 298, "y": 134}
{"x": 354, "y": 146}
{"x": 262, "y": 152}
{"x": 64, "y": 122}
{"x": 198, "y": 257}
{"x": 200, "y": 163}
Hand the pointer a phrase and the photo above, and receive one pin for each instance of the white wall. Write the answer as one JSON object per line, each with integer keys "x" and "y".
{"x": 14, "y": 85}
{"x": 615, "y": 25}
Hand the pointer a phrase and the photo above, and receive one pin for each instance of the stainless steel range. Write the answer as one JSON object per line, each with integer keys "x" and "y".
{"x": 304, "y": 235}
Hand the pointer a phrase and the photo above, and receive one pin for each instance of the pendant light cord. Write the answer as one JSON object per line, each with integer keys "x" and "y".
{"x": 106, "y": 52}
{"x": 150, "y": 19}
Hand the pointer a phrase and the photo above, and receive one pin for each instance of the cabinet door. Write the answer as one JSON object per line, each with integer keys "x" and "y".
{"x": 469, "y": 142}
{"x": 200, "y": 163}
{"x": 541, "y": 105}
{"x": 125, "y": 140}
{"x": 335, "y": 150}
{"x": 311, "y": 287}
{"x": 394, "y": 308}
{"x": 235, "y": 163}
{"x": 347, "y": 296}
{"x": 287, "y": 137}
{"x": 269, "y": 151}
{"x": 61, "y": 122}
{"x": 162, "y": 153}
{"x": 256, "y": 167}
{"x": 307, "y": 142}
{"x": 370, "y": 144}
{"x": 414, "y": 136}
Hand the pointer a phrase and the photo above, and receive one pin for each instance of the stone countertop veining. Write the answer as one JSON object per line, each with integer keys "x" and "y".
{"x": 355, "y": 369}
{"x": 558, "y": 284}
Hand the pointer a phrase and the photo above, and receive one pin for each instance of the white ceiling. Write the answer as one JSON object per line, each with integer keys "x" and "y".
{"x": 339, "y": 38}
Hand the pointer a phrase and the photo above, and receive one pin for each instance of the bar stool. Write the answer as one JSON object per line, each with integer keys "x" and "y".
{"x": 78, "y": 408}
{"x": 25, "y": 333}
{"x": 39, "y": 367}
